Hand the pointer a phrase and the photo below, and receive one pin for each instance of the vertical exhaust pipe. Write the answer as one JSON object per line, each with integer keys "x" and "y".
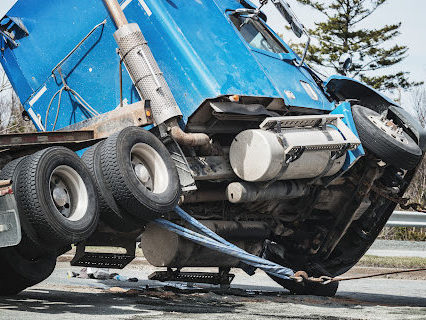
{"x": 147, "y": 76}
{"x": 116, "y": 13}
{"x": 142, "y": 66}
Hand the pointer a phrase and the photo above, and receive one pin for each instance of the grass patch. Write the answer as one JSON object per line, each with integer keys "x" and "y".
{"x": 403, "y": 233}
{"x": 392, "y": 262}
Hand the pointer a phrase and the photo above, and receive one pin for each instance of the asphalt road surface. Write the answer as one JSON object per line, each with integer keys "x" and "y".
{"x": 257, "y": 297}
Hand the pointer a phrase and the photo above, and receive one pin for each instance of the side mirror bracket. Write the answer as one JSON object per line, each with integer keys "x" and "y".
{"x": 345, "y": 62}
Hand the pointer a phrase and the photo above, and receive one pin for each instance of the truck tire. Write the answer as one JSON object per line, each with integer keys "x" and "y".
{"x": 140, "y": 173}
{"x": 110, "y": 212}
{"x": 65, "y": 209}
{"x": 21, "y": 267}
{"x": 11, "y": 172}
{"x": 384, "y": 139}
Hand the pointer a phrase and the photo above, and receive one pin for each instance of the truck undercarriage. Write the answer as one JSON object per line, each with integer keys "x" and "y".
{"x": 304, "y": 177}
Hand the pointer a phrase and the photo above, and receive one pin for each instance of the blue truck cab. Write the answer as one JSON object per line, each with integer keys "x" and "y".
{"x": 201, "y": 103}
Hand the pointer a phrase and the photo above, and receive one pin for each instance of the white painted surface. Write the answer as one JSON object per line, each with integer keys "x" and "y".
{"x": 37, "y": 96}
{"x": 145, "y": 7}
{"x": 5, "y": 6}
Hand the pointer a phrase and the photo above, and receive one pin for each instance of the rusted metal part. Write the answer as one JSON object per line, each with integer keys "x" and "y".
{"x": 302, "y": 276}
{"x": 22, "y": 140}
{"x": 204, "y": 196}
{"x": 403, "y": 202}
{"x": 5, "y": 187}
{"x": 211, "y": 168}
{"x": 108, "y": 123}
{"x": 17, "y": 145}
{"x": 348, "y": 212}
{"x": 188, "y": 139}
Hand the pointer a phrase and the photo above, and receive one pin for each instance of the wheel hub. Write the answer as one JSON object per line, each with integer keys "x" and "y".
{"x": 142, "y": 173}
{"x": 149, "y": 168}
{"x": 389, "y": 127}
{"x": 68, "y": 193}
{"x": 60, "y": 196}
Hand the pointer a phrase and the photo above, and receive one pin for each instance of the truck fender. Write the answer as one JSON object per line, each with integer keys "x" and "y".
{"x": 347, "y": 89}
{"x": 344, "y": 88}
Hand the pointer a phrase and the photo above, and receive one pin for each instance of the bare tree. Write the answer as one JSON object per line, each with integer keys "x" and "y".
{"x": 5, "y": 106}
{"x": 4, "y": 81}
{"x": 417, "y": 190}
{"x": 418, "y": 98}
{"x": 11, "y": 120}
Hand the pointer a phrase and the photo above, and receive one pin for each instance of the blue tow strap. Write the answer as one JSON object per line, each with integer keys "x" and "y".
{"x": 211, "y": 240}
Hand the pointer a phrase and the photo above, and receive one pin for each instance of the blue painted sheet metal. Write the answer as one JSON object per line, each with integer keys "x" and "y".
{"x": 199, "y": 50}
{"x": 341, "y": 85}
{"x": 352, "y": 155}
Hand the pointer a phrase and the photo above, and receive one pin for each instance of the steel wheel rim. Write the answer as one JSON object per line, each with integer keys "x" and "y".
{"x": 149, "y": 168}
{"x": 68, "y": 193}
{"x": 389, "y": 127}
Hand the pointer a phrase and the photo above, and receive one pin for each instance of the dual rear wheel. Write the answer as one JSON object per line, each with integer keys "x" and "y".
{"x": 57, "y": 206}
{"x": 130, "y": 177}
{"x": 136, "y": 178}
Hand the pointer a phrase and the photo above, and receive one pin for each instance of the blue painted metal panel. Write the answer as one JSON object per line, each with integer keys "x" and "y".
{"x": 54, "y": 30}
{"x": 199, "y": 50}
{"x": 351, "y": 88}
{"x": 352, "y": 155}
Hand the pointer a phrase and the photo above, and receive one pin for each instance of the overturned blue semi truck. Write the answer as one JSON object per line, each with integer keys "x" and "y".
{"x": 197, "y": 103}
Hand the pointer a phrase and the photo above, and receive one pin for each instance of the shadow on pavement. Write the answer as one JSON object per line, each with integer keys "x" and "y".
{"x": 107, "y": 303}
{"x": 96, "y": 301}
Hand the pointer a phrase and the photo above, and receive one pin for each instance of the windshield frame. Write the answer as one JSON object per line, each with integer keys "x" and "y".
{"x": 288, "y": 54}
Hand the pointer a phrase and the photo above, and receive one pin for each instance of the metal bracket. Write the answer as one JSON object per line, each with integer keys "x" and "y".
{"x": 186, "y": 177}
{"x": 350, "y": 140}
{"x": 223, "y": 277}
{"x": 13, "y": 29}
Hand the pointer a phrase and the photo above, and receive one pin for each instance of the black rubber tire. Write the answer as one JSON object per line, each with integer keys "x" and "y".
{"x": 110, "y": 212}
{"x": 385, "y": 147}
{"x": 130, "y": 194}
{"x": 21, "y": 267}
{"x": 35, "y": 202}
{"x": 11, "y": 172}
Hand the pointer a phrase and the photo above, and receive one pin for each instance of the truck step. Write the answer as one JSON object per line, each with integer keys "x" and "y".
{"x": 220, "y": 278}
{"x": 102, "y": 260}
{"x": 105, "y": 255}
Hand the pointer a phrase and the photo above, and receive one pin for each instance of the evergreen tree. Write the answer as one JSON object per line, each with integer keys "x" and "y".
{"x": 371, "y": 48}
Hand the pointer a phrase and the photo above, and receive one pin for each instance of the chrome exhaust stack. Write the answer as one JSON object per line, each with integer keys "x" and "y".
{"x": 147, "y": 76}
{"x": 142, "y": 67}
